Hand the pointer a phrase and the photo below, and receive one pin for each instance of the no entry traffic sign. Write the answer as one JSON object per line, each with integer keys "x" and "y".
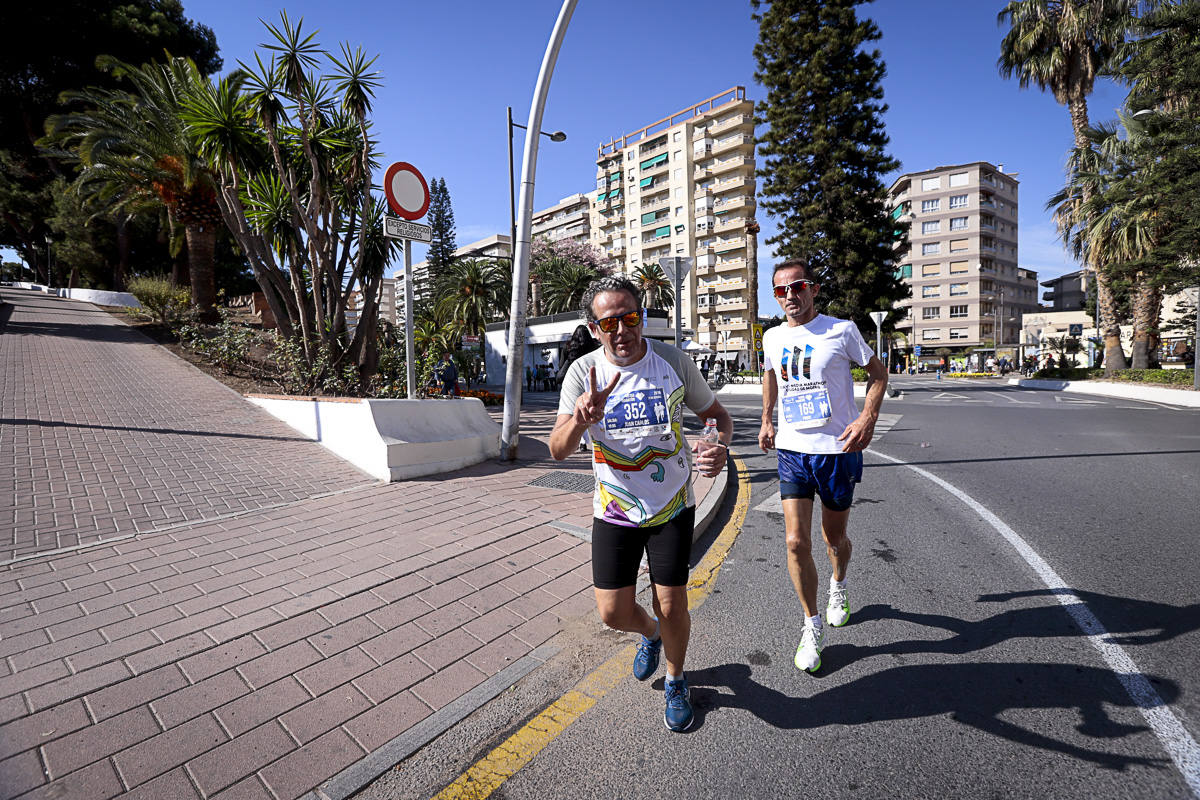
{"x": 406, "y": 190}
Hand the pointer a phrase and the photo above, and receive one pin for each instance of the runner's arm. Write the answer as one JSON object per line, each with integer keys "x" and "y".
{"x": 858, "y": 434}
{"x": 564, "y": 439}
{"x": 766, "y": 434}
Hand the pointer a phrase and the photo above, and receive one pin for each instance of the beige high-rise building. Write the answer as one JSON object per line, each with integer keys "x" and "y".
{"x": 685, "y": 186}
{"x": 961, "y": 262}
{"x": 569, "y": 218}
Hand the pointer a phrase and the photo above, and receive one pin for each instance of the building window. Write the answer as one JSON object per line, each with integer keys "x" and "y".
{"x": 931, "y": 333}
{"x": 958, "y": 179}
{"x": 931, "y": 184}
{"x": 678, "y": 135}
{"x": 958, "y": 223}
{"x": 958, "y": 311}
{"x": 931, "y": 227}
{"x": 904, "y": 271}
{"x": 958, "y": 201}
{"x": 931, "y": 248}
{"x": 930, "y": 206}
{"x": 933, "y": 312}
{"x": 958, "y": 333}
{"x": 931, "y": 291}
{"x": 958, "y": 289}
{"x": 930, "y": 270}
{"x": 958, "y": 245}
{"x": 959, "y": 267}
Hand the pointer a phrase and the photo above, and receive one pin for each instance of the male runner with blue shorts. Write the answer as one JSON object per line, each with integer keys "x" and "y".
{"x": 820, "y": 438}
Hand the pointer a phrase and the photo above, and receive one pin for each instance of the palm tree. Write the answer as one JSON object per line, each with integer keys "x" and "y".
{"x": 1061, "y": 45}
{"x": 135, "y": 149}
{"x": 474, "y": 292}
{"x": 654, "y": 286}
{"x": 563, "y": 283}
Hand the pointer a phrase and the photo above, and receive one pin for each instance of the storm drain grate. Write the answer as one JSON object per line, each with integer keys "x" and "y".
{"x": 566, "y": 481}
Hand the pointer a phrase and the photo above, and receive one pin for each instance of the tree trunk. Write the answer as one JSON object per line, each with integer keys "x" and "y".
{"x": 1110, "y": 328}
{"x": 201, "y": 244}
{"x": 124, "y": 245}
{"x": 1146, "y": 302}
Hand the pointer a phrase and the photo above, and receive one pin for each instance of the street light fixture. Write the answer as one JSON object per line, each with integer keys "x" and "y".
{"x": 557, "y": 136}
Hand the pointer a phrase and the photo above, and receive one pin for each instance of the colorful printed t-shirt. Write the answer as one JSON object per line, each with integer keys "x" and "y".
{"x": 812, "y": 373}
{"x": 643, "y": 468}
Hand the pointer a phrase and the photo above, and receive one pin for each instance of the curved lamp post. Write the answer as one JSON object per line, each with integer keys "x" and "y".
{"x": 510, "y": 432}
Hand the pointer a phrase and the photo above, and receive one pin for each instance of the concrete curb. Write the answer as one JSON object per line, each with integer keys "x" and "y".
{"x": 1185, "y": 398}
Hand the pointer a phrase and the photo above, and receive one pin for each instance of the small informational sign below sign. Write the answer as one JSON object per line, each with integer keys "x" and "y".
{"x": 395, "y": 228}
{"x": 917, "y": 350}
{"x": 470, "y": 342}
{"x": 1075, "y": 329}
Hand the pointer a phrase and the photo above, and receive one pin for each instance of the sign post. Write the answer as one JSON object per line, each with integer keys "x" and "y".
{"x": 677, "y": 267}
{"x": 408, "y": 196}
{"x": 878, "y": 316}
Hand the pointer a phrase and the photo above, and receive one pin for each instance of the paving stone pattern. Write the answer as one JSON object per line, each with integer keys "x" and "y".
{"x": 259, "y": 653}
{"x": 103, "y": 433}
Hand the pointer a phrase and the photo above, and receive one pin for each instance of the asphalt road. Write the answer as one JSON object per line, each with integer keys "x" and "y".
{"x": 960, "y": 674}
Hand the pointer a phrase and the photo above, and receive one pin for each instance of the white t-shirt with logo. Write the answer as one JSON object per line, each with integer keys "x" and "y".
{"x": 640, "y": 458}
{"x": 812, "y": 373}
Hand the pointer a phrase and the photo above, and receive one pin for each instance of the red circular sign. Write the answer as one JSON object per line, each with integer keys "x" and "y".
{"x": 406, "y": 190}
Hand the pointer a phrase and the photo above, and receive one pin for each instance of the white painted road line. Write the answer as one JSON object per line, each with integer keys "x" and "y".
{"x": 1175, "y": 738}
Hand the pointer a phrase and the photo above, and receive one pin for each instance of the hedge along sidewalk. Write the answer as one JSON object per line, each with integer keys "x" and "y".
{"x": 1184, "y": 396}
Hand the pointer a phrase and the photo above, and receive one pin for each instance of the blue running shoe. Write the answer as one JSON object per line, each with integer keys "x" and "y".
{"x": 645, "y": 662}
{"x": 678, "y": 716}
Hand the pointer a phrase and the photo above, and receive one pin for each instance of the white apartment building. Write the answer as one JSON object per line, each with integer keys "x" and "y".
{"x": 685, "y": 186}
{"x": 961, "y": 260}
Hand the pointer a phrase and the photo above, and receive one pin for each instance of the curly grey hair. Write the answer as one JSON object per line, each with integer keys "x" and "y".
{"x": 609, "y": 283}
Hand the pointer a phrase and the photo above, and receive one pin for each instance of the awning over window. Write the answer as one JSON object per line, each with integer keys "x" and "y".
{"x": 644, "y": 182}
{"x": 653, "y": 162}
{"x": 665, "y": 230}
{"x": 601, "y": 196}
{"x": 647, "y": 218}
{"x": 616, "y": 176}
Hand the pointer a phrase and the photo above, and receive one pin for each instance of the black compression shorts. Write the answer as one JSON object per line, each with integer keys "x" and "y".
{"x": 617, "y": 551}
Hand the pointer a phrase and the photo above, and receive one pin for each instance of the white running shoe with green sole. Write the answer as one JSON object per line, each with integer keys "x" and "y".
{"x": 808, "y": 654}
{"x": 837, "y": 613}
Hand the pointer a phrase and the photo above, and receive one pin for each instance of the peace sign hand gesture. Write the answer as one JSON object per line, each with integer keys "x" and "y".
{"x": 589, "y": 408}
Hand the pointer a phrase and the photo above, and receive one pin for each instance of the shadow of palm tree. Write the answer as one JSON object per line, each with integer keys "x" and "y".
{"x": 971, "y": 694}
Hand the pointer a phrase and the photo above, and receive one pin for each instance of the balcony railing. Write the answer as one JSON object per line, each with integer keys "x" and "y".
{"x": 730, "y": 224}
{"x": 741, "y": 140}
{"x": 727, "y": 164}
{"x": 731, "y": 264}
{"x": 729, "y": 244}
{"x": 726, "y": 124}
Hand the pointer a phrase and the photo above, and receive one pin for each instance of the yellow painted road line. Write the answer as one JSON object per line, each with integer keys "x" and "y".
{"x": 488, "y": 773}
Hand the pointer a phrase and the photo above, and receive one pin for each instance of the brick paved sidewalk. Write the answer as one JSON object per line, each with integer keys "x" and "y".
{"x": 256, "y": 654}
{"x": 104, "y": 433}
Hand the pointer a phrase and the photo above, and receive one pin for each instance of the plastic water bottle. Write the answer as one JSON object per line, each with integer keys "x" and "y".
{"x": 711, "y": 434}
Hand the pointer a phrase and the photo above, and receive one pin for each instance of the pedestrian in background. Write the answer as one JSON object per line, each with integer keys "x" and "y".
{"x": 449, "y": 376}
{"x": 581, "y": 343}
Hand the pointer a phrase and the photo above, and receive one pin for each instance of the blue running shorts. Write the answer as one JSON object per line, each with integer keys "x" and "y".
{"x": 832, "y": 476}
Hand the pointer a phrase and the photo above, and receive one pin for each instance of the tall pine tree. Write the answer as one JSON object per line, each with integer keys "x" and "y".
{"x": 824, "y": 152}
{"x": 442, "y": 245}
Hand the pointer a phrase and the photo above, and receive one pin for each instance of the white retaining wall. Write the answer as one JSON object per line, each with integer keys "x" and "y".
{"x": 394, "y": 440}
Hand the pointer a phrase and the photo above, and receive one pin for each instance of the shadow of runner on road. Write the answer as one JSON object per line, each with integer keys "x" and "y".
{"x": 1128, "y": 621}
{"x": 973, "y": 694}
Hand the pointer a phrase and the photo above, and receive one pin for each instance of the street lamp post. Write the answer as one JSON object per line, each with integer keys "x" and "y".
{"x": 49, "y": 267}
{"x": 514, "y": 377}
{"x": 557, "y": 136}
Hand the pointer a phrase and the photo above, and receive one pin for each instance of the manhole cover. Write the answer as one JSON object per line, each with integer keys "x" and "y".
{"x": 566, "y": 481}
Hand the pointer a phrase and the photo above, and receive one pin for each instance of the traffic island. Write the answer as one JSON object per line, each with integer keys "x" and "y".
{"x": 392, "y": 440}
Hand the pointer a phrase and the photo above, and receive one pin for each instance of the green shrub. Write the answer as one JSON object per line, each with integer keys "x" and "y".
{"x": 1173, "y": 377}
{"x": 158, "y": 297}
{"x": 226, "y": 345}
{"x": 858, "y": 374}
{"x": 295, "y": 375}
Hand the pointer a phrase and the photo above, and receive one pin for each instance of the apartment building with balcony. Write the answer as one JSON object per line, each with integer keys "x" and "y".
{"x": 961, "y": 260}
{"x": 569, "y": 218}
{"x": 685, "y": 186}
{"x": 1067, "y": 292}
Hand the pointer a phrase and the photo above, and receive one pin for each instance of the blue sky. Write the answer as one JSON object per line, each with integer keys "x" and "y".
{"x": 450, "y": 68}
